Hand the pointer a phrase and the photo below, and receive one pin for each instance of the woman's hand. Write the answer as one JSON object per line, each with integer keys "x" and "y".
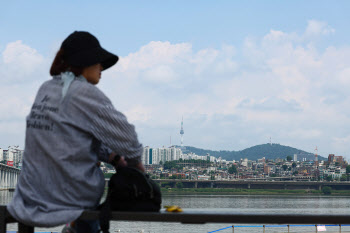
{"x": 117, "y": 161}
{"x": 140, "y": 167}
{"x": 122, "y": 162}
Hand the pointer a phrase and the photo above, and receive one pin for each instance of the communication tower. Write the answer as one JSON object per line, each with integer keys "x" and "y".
{"x": 182, "y": 132}
{"x": 316, "y": 158}
{"x": 317, "y": 172}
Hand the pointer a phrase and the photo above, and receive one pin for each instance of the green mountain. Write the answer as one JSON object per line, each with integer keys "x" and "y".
{"x": 269, "y": 151}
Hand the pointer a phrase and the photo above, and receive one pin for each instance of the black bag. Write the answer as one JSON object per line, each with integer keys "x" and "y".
{"x": 129, "y": 190}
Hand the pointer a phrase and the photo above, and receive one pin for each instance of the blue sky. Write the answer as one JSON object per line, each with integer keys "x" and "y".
{"x": 127, "y": 25}
{"x": 239, "y": 72}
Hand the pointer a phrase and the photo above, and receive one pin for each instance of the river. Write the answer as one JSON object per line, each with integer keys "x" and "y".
{"x": 226, "y": 203}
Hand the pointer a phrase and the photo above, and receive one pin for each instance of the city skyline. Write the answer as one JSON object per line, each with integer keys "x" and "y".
{"x": 250, "y": 71}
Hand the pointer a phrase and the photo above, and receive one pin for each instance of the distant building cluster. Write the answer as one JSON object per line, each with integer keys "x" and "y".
{"x": 161, "y": 155}
{"x": 336, "y": 167}
{"x": 188, "y": 166}
{"x": 12, "y": 156}
{"x": 333, "y": 169}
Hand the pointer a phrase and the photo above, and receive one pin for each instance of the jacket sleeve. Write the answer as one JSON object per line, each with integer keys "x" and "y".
{"x": 113, "y": 129}
{"x": 107, "y": 124}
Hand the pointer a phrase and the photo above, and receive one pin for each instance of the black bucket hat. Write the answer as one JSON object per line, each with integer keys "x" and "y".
{"x": 81, "y": 49}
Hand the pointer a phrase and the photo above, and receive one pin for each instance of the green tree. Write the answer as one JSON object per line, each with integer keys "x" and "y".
{"x": 289, "y": 158}
{"x": 294, "y": 165}
{"x": 329, "y": 178}
{"x": 232, "y": 169}
{"x": 343, "y": 178}
{"x": 170, "y": 164}
{"x": 285, "y": 167}
{"x": 179, "y": 185}
{"x": 348, "y": 169}
{"x": 326, "y": 190}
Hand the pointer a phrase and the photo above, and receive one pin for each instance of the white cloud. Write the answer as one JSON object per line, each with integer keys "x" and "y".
{"x": 275, "y": 37}
{"x": 341, "y": 144}
{"x": 279, "y": 85}
{"x": 22, "y": 69}
{"x": 138, "y": 114}
{"x": 160, "y": 74}
{"x": 168, "y": 63}
{"x": 19, "y": 52}
{"x": 156, "y": 53}
{"x": 305, "y": 134}
{"x": 344, "y": 76}
{"x": 14, "y": 105}
{"x": 316, "y": 28}
{"x": 271, "y": 104}
{"x": 19, "y": 62}
{"x": 12, "y": 133}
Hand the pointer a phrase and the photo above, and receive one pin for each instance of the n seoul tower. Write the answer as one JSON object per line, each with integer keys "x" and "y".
{"x": 182, "y": 132}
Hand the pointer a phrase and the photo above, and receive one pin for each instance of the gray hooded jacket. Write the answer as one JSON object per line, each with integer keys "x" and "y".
{"x": 68, "y": 132}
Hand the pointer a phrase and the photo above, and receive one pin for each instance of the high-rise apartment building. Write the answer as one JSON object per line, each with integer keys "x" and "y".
{"x": 17, "y": 158}
{"x": 156, "y": 155}
{"x": 295, "y": 157}
{"x": 12, "y": 156}
{"x": 5, "y": 155}
{"x": 145, "y": 155}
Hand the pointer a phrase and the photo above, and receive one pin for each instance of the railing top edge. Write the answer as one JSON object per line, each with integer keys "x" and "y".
{"x": 216, "y": 217}
{"x": 198, "y": 217}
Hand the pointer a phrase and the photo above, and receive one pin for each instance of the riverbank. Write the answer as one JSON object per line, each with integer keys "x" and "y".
{"x": 227, "y": 191}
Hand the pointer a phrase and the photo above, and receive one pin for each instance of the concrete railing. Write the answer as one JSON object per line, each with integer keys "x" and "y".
{"x": 197, "y": 217}
{"x": 8, "y": 177}
{"x": 253, "y": 184}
